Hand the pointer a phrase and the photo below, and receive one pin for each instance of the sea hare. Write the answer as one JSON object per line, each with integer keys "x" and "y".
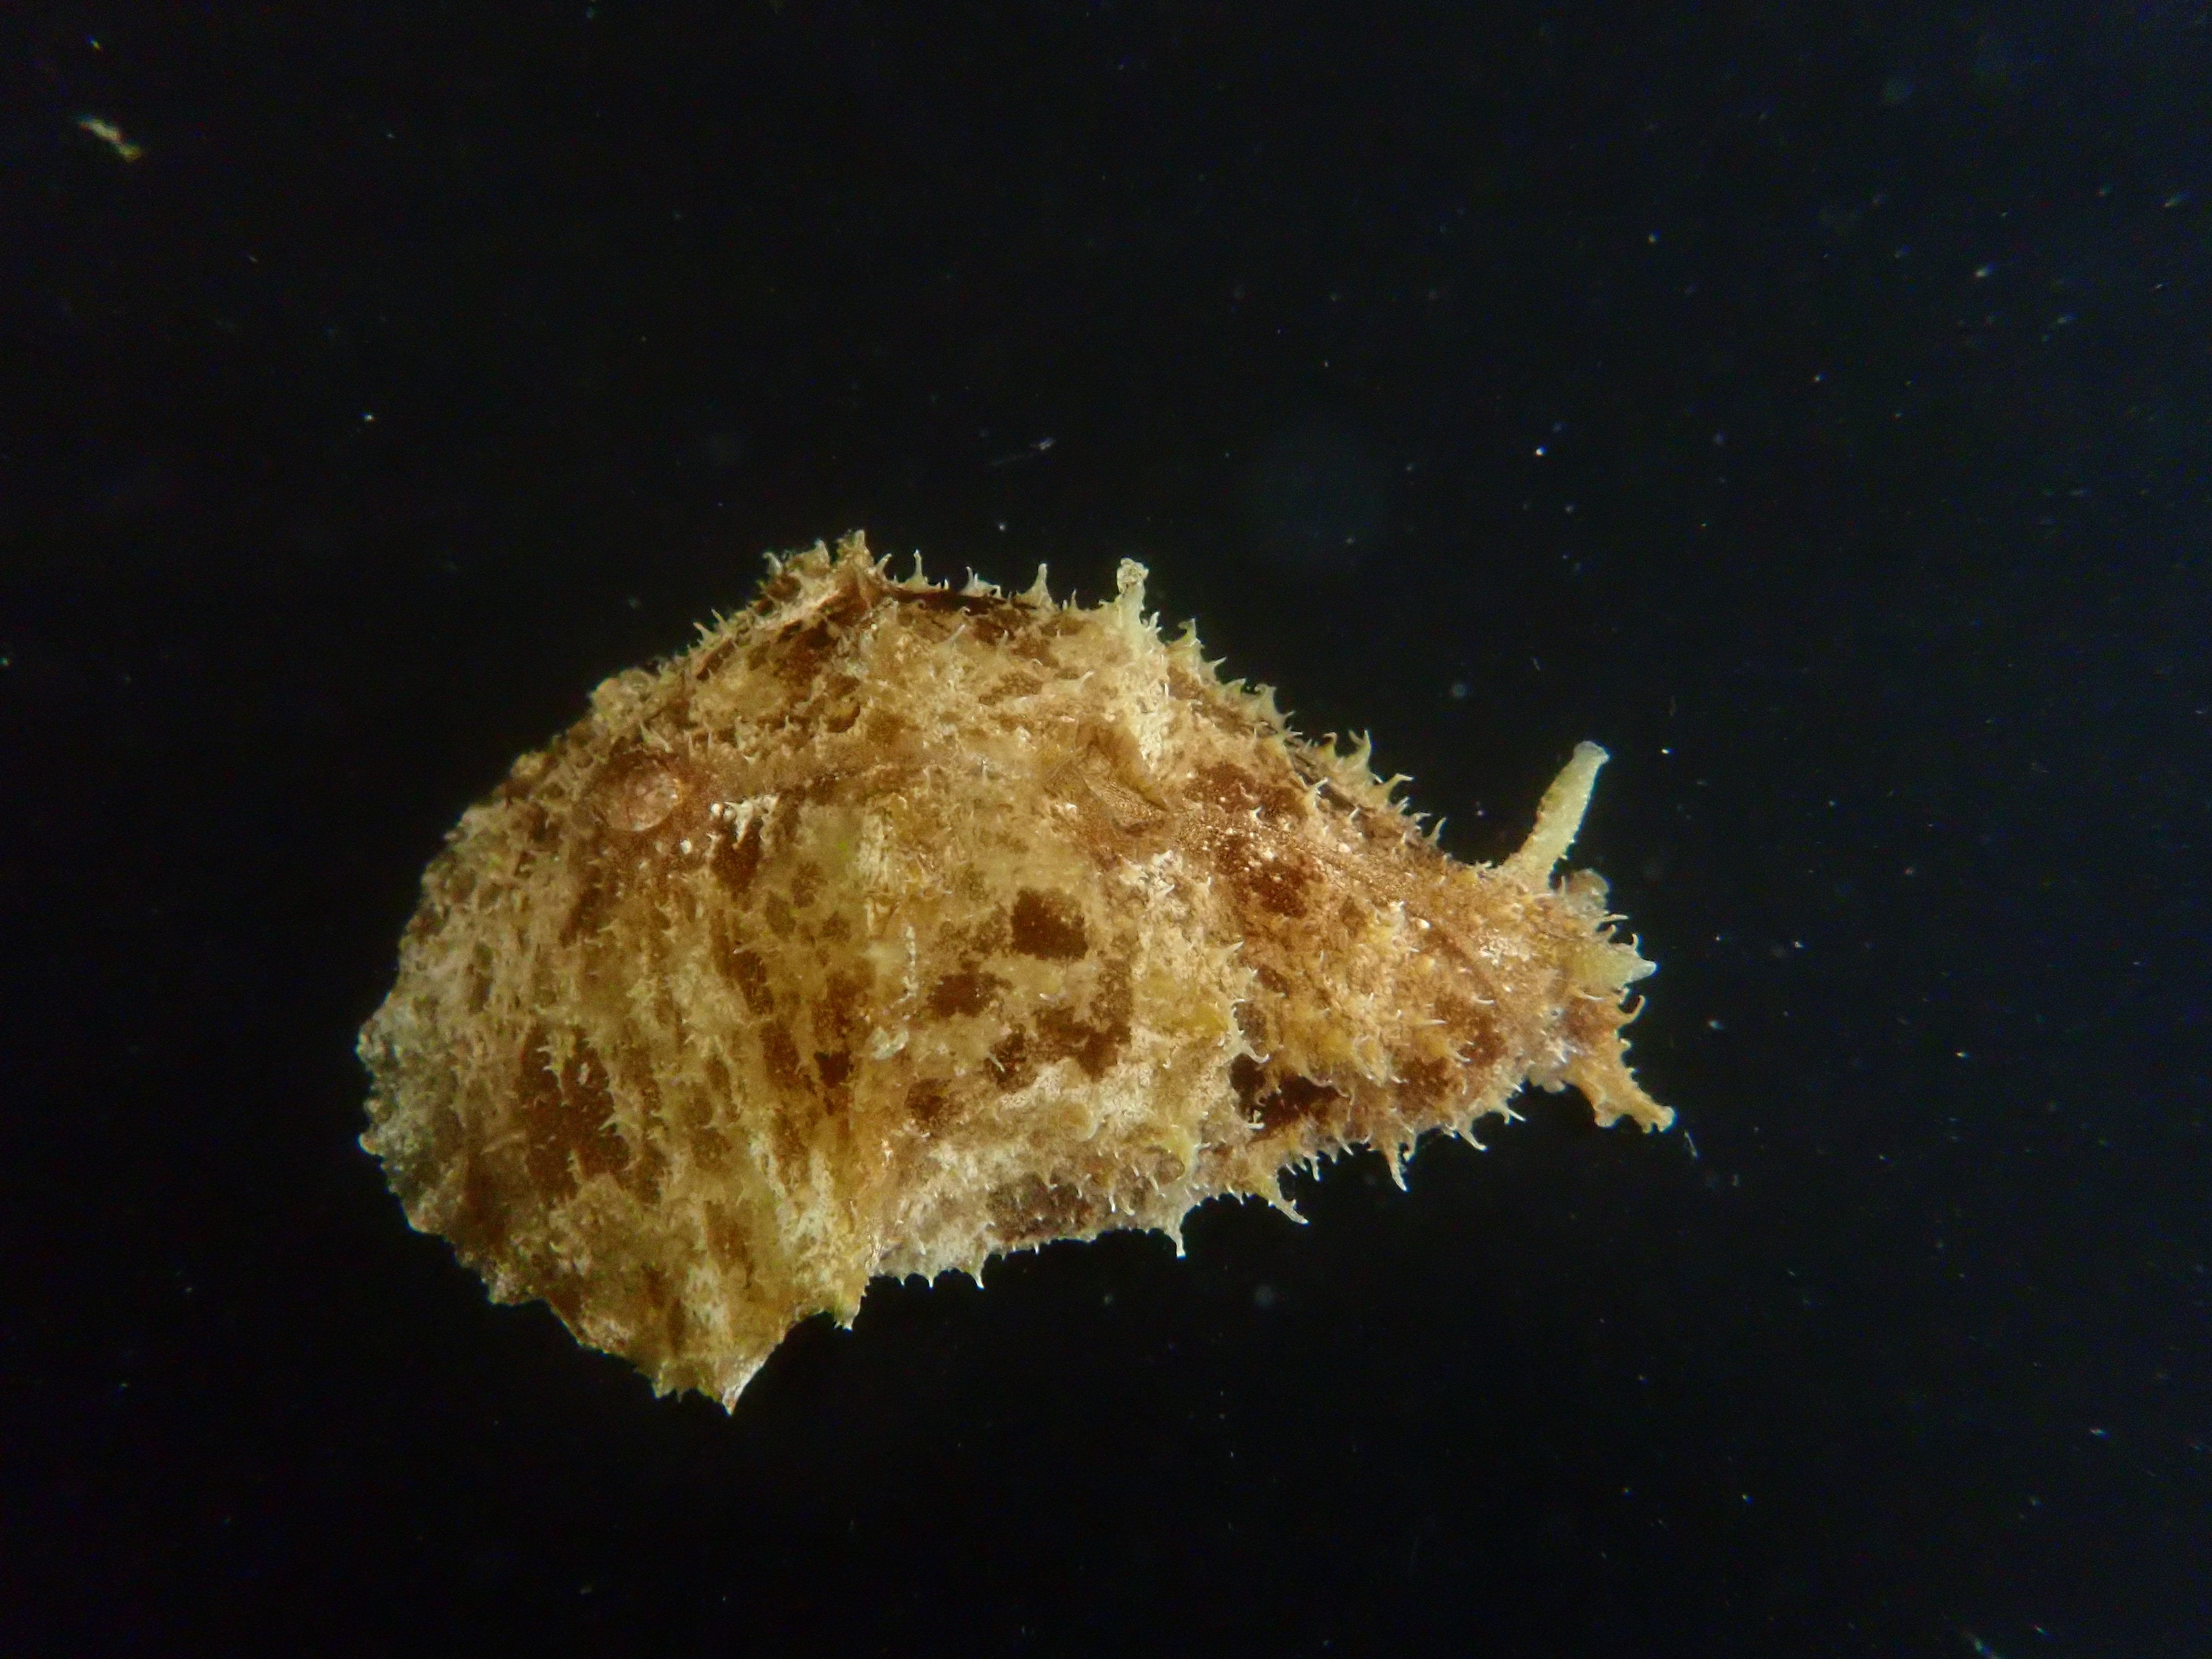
{"x": 891, "y": 927}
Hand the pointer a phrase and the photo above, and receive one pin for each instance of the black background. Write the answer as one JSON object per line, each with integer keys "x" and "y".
{"x": 1811, "y": 402}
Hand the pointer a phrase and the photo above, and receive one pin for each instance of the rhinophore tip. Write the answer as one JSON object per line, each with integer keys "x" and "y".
{"x": 1557, "y": 817}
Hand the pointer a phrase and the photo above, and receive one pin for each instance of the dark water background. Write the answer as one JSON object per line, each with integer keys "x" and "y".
{"x": 1811, "y": 404}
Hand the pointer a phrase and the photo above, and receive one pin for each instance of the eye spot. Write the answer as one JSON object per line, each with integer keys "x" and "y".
{"x": 638, "y": 793}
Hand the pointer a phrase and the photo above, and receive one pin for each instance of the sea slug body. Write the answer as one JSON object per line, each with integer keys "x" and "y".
{"x": 891, "y": 927}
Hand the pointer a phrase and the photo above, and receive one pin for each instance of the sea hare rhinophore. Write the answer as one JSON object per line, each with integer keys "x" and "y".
{"x": 891, "y": 927}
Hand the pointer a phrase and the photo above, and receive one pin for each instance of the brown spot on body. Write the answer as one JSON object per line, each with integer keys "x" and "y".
{"x": 1234, "y": 790}
{"x": 1046, "y": 925}
{"x": 483, "y": 1207}
{"x": 727, "y": 1238}
{"x": 1095, "y": 1042}
{"x": 926, "y": 1102}
{"x": 965, "y": 993}
{"x": 1013, "y": 1064}
{"x": 887, "y": 727}
{"x": 796, "y": 655}
{"x": 1295, "y": 1100}
{"x": 1246, "y": 1075}
{"x": 1425, "y": 1085}
{"x": 805, "y": 883}
{"x": 780, "y": 589}
{"x": 780, "y": 1055}
{"x": 665, "y": 1313}
{"x": 743, "y": 966}
{"x": 598, "y": 890}
{"x": 1472, "y": 1029}
{"x": 1013, "y": 685}
{"x": 1063, "y": 1036}
{"x": 1211, "y": 704}
{"x": 1264, "y": 877}
{"x": 987, "y": 618}
{"x": 564, "y": 1294}
{"x": 1034, "y": 1210}
{"x": 566, "y": 1110}
{"x": 736, "y": 862}
{"x": 838, "y": 1010}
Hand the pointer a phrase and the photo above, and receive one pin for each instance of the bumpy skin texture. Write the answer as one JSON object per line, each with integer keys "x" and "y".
{"x": 892, "y": 927}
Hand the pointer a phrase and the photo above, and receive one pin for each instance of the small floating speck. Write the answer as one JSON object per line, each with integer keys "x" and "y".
{"x": 112, "y": 135}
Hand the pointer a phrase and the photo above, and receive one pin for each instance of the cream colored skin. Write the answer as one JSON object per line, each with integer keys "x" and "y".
{"x": 890, "y": 928}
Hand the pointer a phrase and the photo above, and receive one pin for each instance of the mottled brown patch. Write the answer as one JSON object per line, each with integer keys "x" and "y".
{"x": 987, "y": 618}
{"x": 644, "y": 1164}
{"x": 1185, "y": 686}
{"x": 1592, "y": 1024}
{"x": 1473, "y": 1030}
{"x": 780, "y": 1055}
{"x": 838, "y": 1011}
{"x": 798, "y": 654}
{"x": 1425, "y": 1085}
{"x": 1013, "y": 1064}
{"x": 1272, "y": 885}
{"x": 986, "y": 937}
{"x": 1296, "y": 1099}
{"x": 926, "y": 1102}
{"x": 737, "y": 861}
{"x": 564, "y": 1294}
{"x": 598, "y": 890}
{"x": 1009, "y": 687}
{"x": 482, "y": 1217}
{"x": 565, "y": 1108}
{"x": 482, "y": 967}
{"x": 1095, "y": 1039}
{"x": 1252, "y": 1025}
{"x": 1232, "y": 789}
{"x": 780, "y": 589}
{"x": 743, "y": 966}
{"x": 778, "y": 916}
{"x": 1246, "y": 1074}
{"x": 1063, "y": 1036}
{"x": 805, "y": 883}
{"x": 835, "y": 1068}
{"x": 1211, "y": 702}
{"x": 425, "y": 925}
{"x": 1034, "y": 645}
{"x": 854, "y": 598}
{"x": 727, "y": 1237}
{"x": 709, "y": 1147}
{"x": 713, "y": 659}
{"x": 665, "y": 1315}
{"x": 1034, "y": 1210}
{"x": 965, "y": 993}
{"x": 1047, "y": 926}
